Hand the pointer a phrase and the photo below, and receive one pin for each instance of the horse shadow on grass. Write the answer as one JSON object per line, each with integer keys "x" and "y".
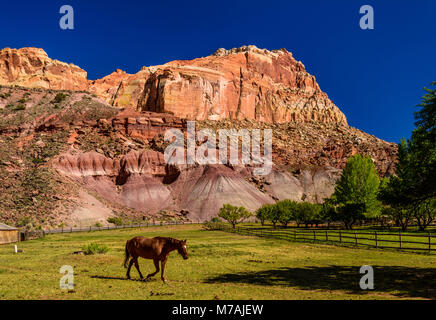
{"x": 123, "y": 278}
{"x": 395, "y": 280}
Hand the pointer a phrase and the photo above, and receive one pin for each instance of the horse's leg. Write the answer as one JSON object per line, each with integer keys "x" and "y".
{"x": 164, "y": 261}
{"x": 128, "y": 269}
{"x": 156, "y": 264}
{"x": 137, "y": 268}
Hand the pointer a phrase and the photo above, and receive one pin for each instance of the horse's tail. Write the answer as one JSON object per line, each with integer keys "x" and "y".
{"x": 126, "y": 254}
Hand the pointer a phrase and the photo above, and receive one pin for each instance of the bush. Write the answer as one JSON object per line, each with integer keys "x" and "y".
{"x": 5, "y": 95}
{"x": 23, "y": 221}
{"x": 19, "y": 107}
{"x": 116, "y": 221}
{"x": 59, "y": 97}
{"x": 94, "y": 248}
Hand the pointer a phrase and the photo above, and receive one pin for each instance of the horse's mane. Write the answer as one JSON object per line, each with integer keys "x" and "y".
{"x": 171, "y": 240}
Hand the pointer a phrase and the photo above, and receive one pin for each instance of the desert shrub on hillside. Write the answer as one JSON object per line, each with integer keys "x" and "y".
{"x": 19, "y": 107}
{"x": 59, "y": 97}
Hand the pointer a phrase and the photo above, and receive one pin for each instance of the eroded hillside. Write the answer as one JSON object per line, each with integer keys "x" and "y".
{"x": 68, "y": 157}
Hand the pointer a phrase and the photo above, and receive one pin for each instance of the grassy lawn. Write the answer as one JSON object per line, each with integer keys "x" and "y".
{"x": 221, "y": 265}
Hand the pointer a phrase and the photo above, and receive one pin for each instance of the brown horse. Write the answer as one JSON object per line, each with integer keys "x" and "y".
{"x": 157, "y": 249}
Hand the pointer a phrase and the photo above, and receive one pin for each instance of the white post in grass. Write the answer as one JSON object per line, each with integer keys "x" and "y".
{"x": 15, "y": 249}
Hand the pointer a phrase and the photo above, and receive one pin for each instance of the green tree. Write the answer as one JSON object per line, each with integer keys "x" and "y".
{"x": 391, "y": 190}
{"x": 356, "y": 191}
{"x": 309, "y": 213}
{"x": 327, "y": 212}
{"x": 264, "y": 212}
{"x": 425, "y": 213}
{"x": 286, "y": 211}
{"x": 422, "y": 148}
{"x": 416, "y": 165}
{"x": 274, "y": 215}
{"x": 412, "y": 190}
{"x": 233, "y": 214}
{"x": 316, "y": 214}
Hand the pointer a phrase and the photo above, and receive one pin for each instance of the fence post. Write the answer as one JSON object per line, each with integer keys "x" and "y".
{"x": 295, "y": 235}
{"x": 326, "y": 236}
{"x": 401, "y": 245}
{"x": 355, "y": 237}
{"x": 62, "y": 229}
{"x": 90, "y": 229}
{"x": 314, "y": 235}
{"x": 375, "y": 236}
{"x": 429, "y": 243}
{"x": 340, "y": 236}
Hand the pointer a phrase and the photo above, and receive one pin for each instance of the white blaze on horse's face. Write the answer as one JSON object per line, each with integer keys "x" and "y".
{"x": 184, "y": 250}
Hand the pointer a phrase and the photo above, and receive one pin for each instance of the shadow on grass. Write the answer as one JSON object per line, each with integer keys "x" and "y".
{"x": 123, "y": 278}
{"x": 395, "y": 280}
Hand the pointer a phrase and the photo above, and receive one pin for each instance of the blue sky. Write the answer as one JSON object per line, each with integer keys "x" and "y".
{"x": 376, "y": 77}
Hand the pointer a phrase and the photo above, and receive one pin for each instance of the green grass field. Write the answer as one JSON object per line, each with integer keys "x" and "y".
{"x": 221, "y": 266}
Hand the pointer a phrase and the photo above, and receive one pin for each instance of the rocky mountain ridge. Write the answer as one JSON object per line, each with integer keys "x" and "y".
{"x": 74, "y": 151}
{"x": 241, "y": 83}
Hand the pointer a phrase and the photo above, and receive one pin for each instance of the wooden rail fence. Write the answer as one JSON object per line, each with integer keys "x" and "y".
{"x": 137, "y": 225}
{"x": 382, "y": 240}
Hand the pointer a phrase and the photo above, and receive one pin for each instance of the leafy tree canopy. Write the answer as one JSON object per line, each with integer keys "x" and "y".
{"x": 358, "y": 187}
{"x": 233, "y": 214}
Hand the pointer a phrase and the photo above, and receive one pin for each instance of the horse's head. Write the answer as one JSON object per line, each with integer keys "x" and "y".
{"x": 182, "y": 249}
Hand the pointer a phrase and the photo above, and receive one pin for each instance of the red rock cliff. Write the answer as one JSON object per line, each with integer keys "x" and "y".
{"x": 31, "y": 67}
{"x": 242, "y": 83}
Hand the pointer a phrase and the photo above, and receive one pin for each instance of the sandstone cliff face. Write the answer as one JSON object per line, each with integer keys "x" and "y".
{"x": 31, "y": 67}
{"x": 248, "y": 84}
{"x": 242, "y": 83}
